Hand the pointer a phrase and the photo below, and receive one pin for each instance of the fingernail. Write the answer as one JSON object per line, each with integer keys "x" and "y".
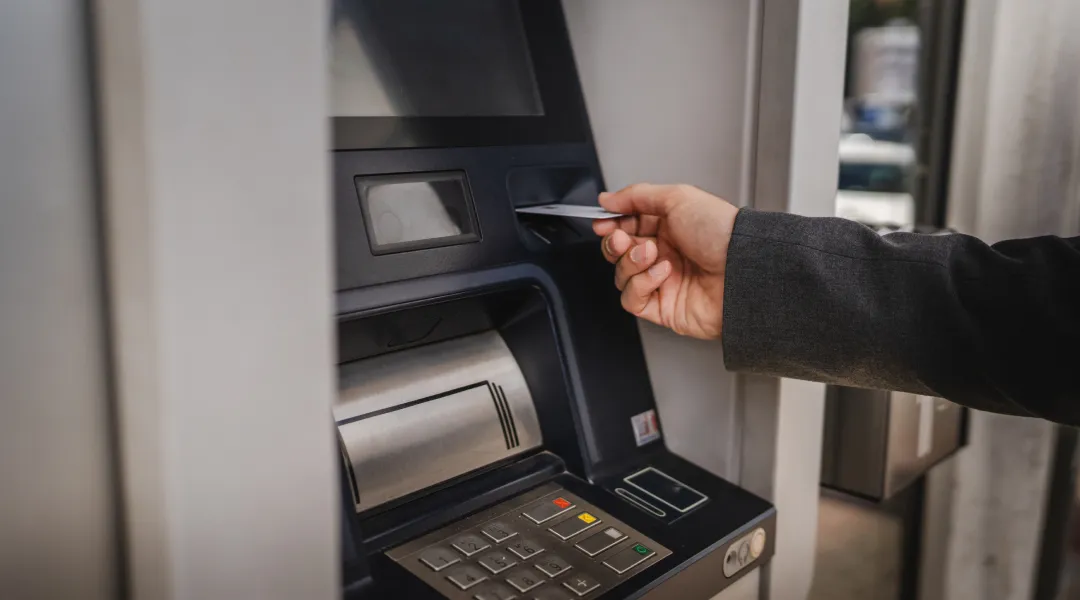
{"x": 659, "y": 269}
{"x": 607, "y": 245}
{"x": 604, "y": 195}
{"x": 637, "y": 254}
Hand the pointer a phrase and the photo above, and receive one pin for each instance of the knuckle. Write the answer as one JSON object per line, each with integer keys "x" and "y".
{"x": 684, "y": 190}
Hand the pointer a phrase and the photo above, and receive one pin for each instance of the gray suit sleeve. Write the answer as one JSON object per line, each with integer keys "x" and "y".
{"x": 995, "y": 328}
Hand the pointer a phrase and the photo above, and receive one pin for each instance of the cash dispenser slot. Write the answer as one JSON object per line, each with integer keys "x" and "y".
{"x": 413, "y": 419}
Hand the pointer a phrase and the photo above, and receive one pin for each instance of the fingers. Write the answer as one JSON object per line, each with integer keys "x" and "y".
{"x": 640, "y": 297}
{"x": 615, "y": 245}
{"x": 639, "y": 258}
{"x": 604, "y": 227}
{"x": 640, "y": 198}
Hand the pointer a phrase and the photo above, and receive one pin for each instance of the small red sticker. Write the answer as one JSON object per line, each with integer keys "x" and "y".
{"x": 561, "y": 502}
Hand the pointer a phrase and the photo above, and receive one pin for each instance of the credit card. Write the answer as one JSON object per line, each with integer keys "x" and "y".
{"x": 569, "y": 210}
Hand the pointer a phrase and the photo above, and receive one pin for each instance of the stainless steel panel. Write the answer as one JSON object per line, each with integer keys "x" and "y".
{"x": 876, "y": 443}
{"x": 922, "y": 431}
{"x": 413, "y": 419}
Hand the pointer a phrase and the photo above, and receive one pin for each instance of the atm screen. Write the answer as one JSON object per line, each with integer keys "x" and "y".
{"x": 431, "y": 58}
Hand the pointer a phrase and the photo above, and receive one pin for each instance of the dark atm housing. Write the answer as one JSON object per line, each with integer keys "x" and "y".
{"x": 540, "y": 471}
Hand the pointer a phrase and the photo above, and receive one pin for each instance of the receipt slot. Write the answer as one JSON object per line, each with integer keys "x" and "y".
{"x": 497, "y": 430}
{"x": 876, "y": 443}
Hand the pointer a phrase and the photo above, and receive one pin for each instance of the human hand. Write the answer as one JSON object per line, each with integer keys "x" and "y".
{"x": 670, "y": 252}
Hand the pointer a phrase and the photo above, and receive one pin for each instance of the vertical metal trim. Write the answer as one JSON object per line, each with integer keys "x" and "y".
{"x": 942, "y": 26}
{"x": 1057, "y": 520}
{"x": 499, "y": 411}
{"x": 109, "y": 359}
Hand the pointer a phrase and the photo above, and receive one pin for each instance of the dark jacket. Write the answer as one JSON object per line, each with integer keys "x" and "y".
{"x": 995, "y": 328}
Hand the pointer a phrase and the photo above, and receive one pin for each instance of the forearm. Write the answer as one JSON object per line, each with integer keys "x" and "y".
{"x": 829, "y": 300}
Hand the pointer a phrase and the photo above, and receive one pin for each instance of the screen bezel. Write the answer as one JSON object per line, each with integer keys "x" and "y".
{"x": 564, "y": 119}
{"x": 465, "y": 237}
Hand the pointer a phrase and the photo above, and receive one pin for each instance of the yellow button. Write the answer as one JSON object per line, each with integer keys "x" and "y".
{"x": 586, "y": 517}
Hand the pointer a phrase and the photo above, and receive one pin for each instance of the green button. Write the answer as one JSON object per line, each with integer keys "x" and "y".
{"x": 642, "y": 550}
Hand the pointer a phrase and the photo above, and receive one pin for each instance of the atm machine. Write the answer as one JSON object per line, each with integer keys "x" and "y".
{"x": 498, "y": 433}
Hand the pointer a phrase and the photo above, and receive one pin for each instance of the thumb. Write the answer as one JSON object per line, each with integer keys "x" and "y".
{"x": 640, "y": 198}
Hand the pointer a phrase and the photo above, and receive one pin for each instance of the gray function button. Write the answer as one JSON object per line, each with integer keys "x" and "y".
{"x": 581, "y": 584}
{"x": 524, "y": 579}
{"x": 470, "y": 544}
{"x": 575, "y": 525}
{"x": 525, "y": 548}
{"x": 628, "y": 559}
{"x": 553, "y": 565}
{"x": 497, "y": 561}
{"x": 551, "y": 593}
{"x": 494, "y": 591}
{"x": 438, "y": 558}
{"x": 600, "y": 541}
{"x": 546, "y": 510}
{"x": 498, "y": 531}
{"x": 466, "y": 576}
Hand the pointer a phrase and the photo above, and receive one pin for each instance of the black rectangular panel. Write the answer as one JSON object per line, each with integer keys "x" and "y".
{"x": 666, "y": 489}
{"x": 424, "y": 58}
{"x": 485, "y": 73}
{"x": 417, "y": 210}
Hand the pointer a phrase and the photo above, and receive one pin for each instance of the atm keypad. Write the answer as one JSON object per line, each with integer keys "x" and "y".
{"x": 553, "y": 547}
{"x": 438, "y": 558}
{"x": 553, "y": 565}
{"x": 466, "y": 576}
{"x": 629, "y": 558}
{"x": 552, "y": 593}
{"x": 581, "y": 584}
{"x": 600, "y": 541}
{"x": 547, "y": 509}
{"x": 571, "y": 527}
{"x": 494, "y": 591}
{"x": 525, "y": 579}
{"x": 525, "y": 548}
{"x": 471, "y": 544}
{"x": 497, "y": 561}
{"x": 498, "y": 531}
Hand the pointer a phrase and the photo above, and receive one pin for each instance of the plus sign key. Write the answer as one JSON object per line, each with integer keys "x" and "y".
{"x": 581, "y": 584}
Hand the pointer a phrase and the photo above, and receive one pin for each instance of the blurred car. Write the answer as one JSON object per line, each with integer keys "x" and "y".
{"x": 875, "y": 182}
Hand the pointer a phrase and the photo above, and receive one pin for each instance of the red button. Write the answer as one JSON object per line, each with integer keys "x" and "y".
{"x": 561, "y": 502}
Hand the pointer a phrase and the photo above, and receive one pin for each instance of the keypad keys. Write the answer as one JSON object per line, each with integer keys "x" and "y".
{"x": 552, "y": 593}
{"x": 438, "y": 558}
{"x": 546, "y": 510}
{"x": 629, "y": 558}
{"x": 571, "y": 527}
{"x": 497, "y": 561}
{"x": 494, "y": 591}
{"x": 498, "y": 531}
{"x": 470, "y": 544}
{"x": 465, "y": 576}
{"x": 581, "y": 583}
{"x": 525, "y": 548}
{"x": 553, "y": 565}
{"x": 524, "y": 579}
{"x": 600, "y": 541}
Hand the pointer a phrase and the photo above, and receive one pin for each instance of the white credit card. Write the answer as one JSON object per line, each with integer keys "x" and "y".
{"x": 569, "y": 210}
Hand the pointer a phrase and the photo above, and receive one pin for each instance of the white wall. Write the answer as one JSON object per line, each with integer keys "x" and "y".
{"x": 1016, "y": 171}
{"x": 57, "y": 485}
{"x": 668, "y": 87}
{"x": 218, "y": 222}
{"x": 742, "y": 98}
